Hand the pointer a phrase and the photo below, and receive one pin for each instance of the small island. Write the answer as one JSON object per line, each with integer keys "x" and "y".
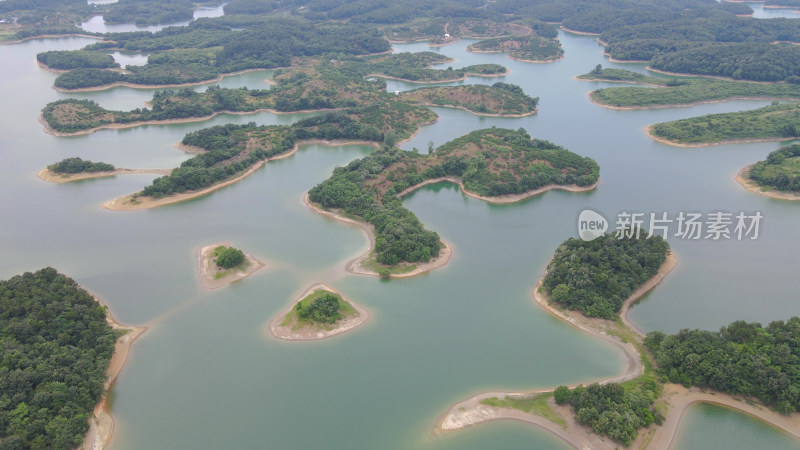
{"x": 74, "y": 169}
{"x": 778, "y": 176}
{"x": 221, "y": 264}
{"x": 676, "y": 92}
{"x": 319, "y": 313}
{"x": 533, "y": 49}
{"x": 778, "y": 122}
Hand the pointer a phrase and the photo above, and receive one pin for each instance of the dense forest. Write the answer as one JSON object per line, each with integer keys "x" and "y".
{"x": 679, "y": 91}
{"x": 778, "y": 121}
{"x": 612, "y": 409}
{"x": 781, "y": 169}
{"x": 228, "y": 257}
{"x": 68, "y": 60}
{"x": 149, "y": 12}
{"x": 740, "y": 359}
{"x": 56, "y": 347}
{"x": 596, "y": 277}
{"x": 77, "y": 165}
{"x": 320, "y": 306}
{"x": 756, "y": 61}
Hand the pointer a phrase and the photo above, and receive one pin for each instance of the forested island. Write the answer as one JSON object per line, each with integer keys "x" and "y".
{"x": 498, "y": 100}
{"x": 222, "y": 264}
{"x": 319, "y": 313}
{"x": 616, "y": 267}
{"x": 57, "y": 344}
{"x": 778, "y": 176}
{"x": 678, "y": 91}
{"x": 770, "y": 123}
{"x": 523, "y": 48}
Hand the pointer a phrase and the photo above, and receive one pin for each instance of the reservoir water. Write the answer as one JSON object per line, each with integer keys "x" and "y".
{"x": 206, "y": 375}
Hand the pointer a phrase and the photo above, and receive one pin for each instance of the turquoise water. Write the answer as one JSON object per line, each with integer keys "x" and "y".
{"x": 206, "y": 375}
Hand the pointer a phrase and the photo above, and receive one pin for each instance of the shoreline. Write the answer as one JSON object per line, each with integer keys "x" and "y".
{"x": 743, "y": 178}
{"x": 472, "y": 412}
{"x": 101, "y": 424}
{"x": 354, "y": 266}
{"x": 503, "y": 199}
{"x": 207, "y": 271}
{"x": 509, "y": 116}
{"x": 582, "y": 33}
{"x": 52, "y": 177}
{"x": 345, "y": 325}
{"x": 124, "y": 203}
{"x": 158, "y": 86}
{"x": 648, "y": 132}
{"x": 679, "y": 399}
{"x": 50, "y": 36}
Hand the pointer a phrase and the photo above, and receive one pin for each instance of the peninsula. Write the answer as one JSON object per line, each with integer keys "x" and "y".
{"x": 778, "y": 176}
{"x": 676, "y": 92}
{"x": 777, "y": 122}
{"x": 576, "y": 414}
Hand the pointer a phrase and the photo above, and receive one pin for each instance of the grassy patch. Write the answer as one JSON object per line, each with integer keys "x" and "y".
{"x": 535, "y": 404}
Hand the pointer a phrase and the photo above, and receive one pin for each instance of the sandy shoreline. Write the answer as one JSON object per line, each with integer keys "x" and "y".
{"x": 305, "y": 334}
{"x": 355, "y": 265}
{"x": 207, "y": 268}
{"x": 125, "y": 203}
{"x": 472, "y": 412}
{"x": 52, "y": 177}
{"x": 101, "y": 424}
{"x": 510, "y": 198}
{"x": 742, "y": 177}
{"x": 648, "y": 132}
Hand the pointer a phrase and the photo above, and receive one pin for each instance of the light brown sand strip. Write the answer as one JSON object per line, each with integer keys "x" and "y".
{"x": 743, "y": 178}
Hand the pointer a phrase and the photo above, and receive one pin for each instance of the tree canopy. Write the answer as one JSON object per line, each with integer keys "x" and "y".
{"x": 55, "y": 348}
